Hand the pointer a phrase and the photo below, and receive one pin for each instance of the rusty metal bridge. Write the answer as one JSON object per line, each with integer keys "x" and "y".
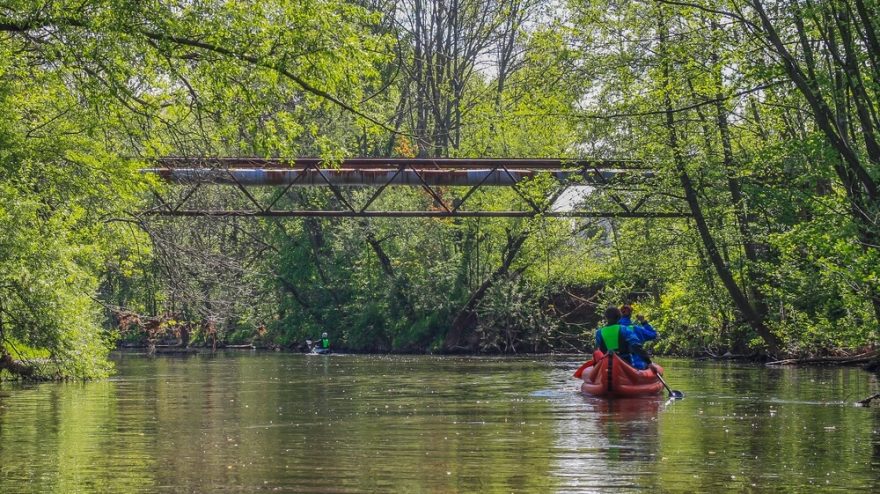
{"x": 616, "y": 188}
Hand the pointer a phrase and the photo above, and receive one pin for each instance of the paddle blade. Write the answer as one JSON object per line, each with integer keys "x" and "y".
{"x": 673, "y": 393}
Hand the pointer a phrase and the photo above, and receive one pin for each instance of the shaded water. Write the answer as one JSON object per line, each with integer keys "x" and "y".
{"x": 267, "y": 422}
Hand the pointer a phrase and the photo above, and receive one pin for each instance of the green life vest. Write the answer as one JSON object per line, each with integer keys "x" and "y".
{"x": 611, "y": 338}
{"x": 325, "y": 342}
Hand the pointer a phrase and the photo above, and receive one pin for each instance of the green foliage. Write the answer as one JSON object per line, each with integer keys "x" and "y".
{"x": 60, "y": 190}
{"x": 512, "y": 319}
{"x": 86, "y": 86}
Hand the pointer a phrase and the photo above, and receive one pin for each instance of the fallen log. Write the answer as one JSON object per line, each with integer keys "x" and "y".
{"x": 732, "y": 356}
{"x": 867, "y": 401}
{"x": 174, "y": 350}
{"x": 843, "y": 360}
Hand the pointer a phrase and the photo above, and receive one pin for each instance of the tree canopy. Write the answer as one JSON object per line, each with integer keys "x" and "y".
{"x": 760, "y": 116}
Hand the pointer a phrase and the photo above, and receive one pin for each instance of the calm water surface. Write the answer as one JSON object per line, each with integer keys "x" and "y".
{"x": 266, "y": 422}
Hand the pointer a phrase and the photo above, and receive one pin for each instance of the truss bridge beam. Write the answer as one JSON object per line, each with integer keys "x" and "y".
{"x": 394, "y": 163}
{"x": 623, "y": 187}
{"x": 369, "y": 177}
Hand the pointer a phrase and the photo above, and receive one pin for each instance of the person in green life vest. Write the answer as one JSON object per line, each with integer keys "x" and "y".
{"x": 321, "y": 346}
{"x": 324, "y": 344}
{"x": 621, "y": 339}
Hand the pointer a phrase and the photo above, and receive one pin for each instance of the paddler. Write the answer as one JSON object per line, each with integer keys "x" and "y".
{"x": 644, "y": 331}
{"x": 622, "y": 340}
{"x": 324, "y": 342}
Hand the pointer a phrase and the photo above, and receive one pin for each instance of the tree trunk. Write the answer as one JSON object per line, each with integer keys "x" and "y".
{"x": 466, "y": 317}
{"x": 749, "y": 314}
{"x": 399, "y": 283}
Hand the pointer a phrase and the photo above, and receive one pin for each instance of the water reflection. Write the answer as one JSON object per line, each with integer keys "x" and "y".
{"x": 612, "y": 445}
{"x": 293, "y": 423}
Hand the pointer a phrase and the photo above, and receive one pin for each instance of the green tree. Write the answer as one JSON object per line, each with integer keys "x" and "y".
{"x": 88, "y": 85}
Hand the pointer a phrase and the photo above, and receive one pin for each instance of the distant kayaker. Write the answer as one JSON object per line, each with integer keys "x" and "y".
{"x": 322, "y": 346}
{"x": 644, "y": 331}
{"x": 622, "y": 340}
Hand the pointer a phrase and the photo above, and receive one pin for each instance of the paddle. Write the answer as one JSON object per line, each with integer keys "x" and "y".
{"x": 673, "y": 393}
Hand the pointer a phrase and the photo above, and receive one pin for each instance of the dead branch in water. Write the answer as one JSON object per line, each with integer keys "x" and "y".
{"x": 844, "y": 360}
{"x": 867, "y": 401}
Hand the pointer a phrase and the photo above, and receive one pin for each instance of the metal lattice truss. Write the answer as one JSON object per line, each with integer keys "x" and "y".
{"x": 357, "y": 187}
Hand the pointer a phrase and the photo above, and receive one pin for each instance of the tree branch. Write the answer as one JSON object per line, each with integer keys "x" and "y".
{"x": 22, "y": 27}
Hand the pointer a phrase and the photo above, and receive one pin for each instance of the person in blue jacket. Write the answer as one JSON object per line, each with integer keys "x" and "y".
{"x": 622, "y": 340}
{"x": 644, "y": 331}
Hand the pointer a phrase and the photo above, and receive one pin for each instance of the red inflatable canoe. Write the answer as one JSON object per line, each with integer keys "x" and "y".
{"x": 609, "y": 375}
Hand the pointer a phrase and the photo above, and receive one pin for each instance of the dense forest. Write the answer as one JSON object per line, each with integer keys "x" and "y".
{"x": 762, "y": 118}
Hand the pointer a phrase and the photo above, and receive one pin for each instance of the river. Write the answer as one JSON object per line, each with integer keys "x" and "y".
{"x": 275, "y": 422}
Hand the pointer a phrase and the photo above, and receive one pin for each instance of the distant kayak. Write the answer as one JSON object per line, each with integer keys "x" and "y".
{"x": 610, "y": 375}
{"x": 320, "y": 351}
